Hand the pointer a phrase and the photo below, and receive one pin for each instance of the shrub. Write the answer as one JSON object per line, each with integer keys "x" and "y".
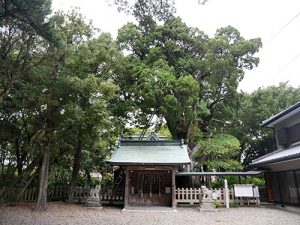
{"x": 233, "y": 204}
{"x": 218, "y": 204}
{"x": 260, "y": 182}
{"x": 107, "y": 181}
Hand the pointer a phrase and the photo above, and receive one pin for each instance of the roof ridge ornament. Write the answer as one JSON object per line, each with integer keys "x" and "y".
{"x": 152, "y": 136}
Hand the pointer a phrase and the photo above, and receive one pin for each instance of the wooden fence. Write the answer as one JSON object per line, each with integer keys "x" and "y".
{"x": 112, "y": 197}
{"x": 29, "y": 195}
{"x": 192, "y": 195}
{"x": 61, "y": 193}
{"x": 56, "y": 193}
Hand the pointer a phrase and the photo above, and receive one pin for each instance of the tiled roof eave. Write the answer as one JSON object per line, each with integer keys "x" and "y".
{"x": 276, "y": 160}
{"x": 277, "y": 116}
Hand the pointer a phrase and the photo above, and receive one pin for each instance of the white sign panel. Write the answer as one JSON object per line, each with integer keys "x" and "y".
{"x": 243, "y": 190}
{"x": 256, "y": 192}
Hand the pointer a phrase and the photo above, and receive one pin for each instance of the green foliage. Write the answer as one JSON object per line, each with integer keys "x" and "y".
{"x": 218, "y": 204}
{"x": 224, "y": 165}
{"x": 233, "y": 204}
{"x": 142, "y": 10}
{"x": 220, "y": 146}
{"x": 255, "y": 107}
{"x": 195, "y": 77}
{"x": 28, "y": 16}
{"x": 218, "y": 152}
{"x": 161, "y": 130}
{"x": 164, "y": 131}
{"x": 231, "y": 180}
{"x": 58, "y": 98}
{"x": 257, "y": 181}
{"x": 60, "y": 172}
{"x": 107, "y": 181}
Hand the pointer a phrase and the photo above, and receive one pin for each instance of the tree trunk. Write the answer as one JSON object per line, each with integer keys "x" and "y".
{"x": 41, "y": 204}
{"x": 19, "y": 160}
{"x": 191, "y": 168}
{"x": 76, "y": 167}
{"x": 177, "y": 135}
{"x": 192, "y": 156}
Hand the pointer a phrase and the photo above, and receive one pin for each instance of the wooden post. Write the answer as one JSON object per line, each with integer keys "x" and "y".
{"x": 268, "y": 179}
{"x": 159, "y": 180}
{"x": 142, "y": 189}
{"x": 209, "y": 182}
{"x": 226, "y": 194}
{"x": 126, "y": 200}
{"x": 173, "y": 189}
{"x": 150, "y": 183}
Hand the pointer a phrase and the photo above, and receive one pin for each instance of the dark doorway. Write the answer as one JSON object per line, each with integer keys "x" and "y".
{"x": 150, "y": 187}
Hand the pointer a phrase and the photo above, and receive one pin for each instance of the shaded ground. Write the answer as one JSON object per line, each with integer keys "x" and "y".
{"x": 61, "y": 213}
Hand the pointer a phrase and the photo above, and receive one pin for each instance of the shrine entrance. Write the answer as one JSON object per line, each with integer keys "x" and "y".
{"x": 150, "y": 187}
{"x": 149, "y": 167}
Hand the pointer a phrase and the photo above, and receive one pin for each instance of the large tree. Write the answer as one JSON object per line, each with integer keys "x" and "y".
{"x": 59, "y": 107}
{"x": 195, "y": 77}
{"x": 90, "y": 69}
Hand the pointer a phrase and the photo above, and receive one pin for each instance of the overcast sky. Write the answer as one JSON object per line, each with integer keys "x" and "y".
{"x": 277, "y": 22}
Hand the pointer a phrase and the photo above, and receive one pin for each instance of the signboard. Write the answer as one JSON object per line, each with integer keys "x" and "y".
{"x": 255, "y": 192}
{"x": 243, "y": 190}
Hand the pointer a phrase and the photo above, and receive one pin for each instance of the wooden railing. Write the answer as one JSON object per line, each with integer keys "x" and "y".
{"x": 192, "y": 196}
{"x": 29, "y": 195}
{"x": 56, "y": 193}
{"x": 112, "y": 197}
{"x": 61, "y": 192}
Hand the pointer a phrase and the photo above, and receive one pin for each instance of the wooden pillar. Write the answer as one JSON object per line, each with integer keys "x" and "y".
{"x": 173, "y": 189}
{"x": 209, "y": 182}
{"x": 268, "y": 179}
{"x": 126, "y": 197}
{"x": 246, "y": 179}
{"x": 142, "y": 188}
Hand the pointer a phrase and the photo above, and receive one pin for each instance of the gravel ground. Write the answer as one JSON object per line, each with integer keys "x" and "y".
{"x": 61, "y": 213}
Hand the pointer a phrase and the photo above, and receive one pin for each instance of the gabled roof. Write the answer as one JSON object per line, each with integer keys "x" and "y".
{"x": 278, "y": 156}
{"x": 150, "y": 153}
{"x": 282, "y": 115}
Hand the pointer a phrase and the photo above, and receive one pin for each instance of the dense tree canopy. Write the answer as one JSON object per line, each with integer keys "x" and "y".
{"x": 255, "y": 108}
{"x": 27, "y": 16}
{"x": 207, "y": 71}
{"x": 56, "y": 105}
{"x": 158, "y": 9}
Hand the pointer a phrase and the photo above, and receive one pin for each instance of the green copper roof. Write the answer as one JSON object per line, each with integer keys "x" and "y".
{"x": 150, "y": 153}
